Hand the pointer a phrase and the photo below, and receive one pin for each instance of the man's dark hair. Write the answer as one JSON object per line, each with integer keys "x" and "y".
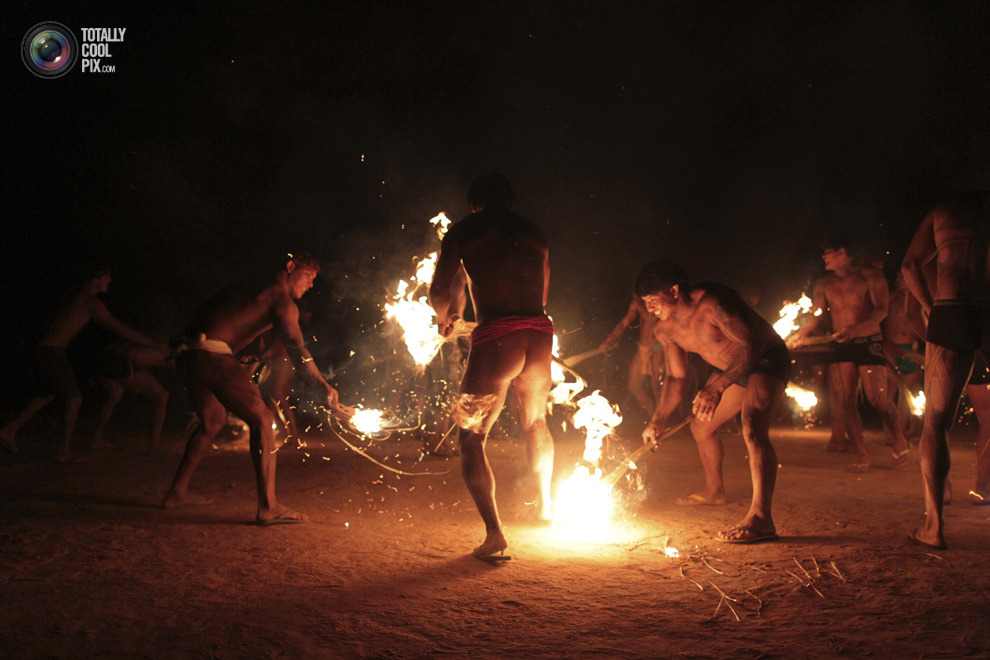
{"x": 97, "y": 270}
{"x": 304, "y": 260}
{"x": 491, "y": 191}
{"x": 660, "y": 276}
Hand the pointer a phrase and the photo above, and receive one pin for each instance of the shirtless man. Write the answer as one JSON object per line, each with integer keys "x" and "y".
{"x": 899, "y": 337}
{"x": 506, "y": 261}
{"x": 123, "y": 366}
{"x": 753, "y": 367}
{"x": 957, "y": 237}
{"x": 648, "y": 362}
{"x": 216, "y": 381}
{"x": 855, "y": 299}
{"x": 51, "y": 366}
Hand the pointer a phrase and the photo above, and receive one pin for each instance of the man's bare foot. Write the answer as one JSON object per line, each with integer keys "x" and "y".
{"x": 901, "y": 457}
{"x": 750, "y": 530}
{"x": 494, "y": 542}
{"x": 931, "y": 539}
{"x": 174, "y": 499}
{"x": 859, "y": 468}
{"x": 8, "y": 441}
{"x": 281, "y": 515}
{"x": 696, "y": 499}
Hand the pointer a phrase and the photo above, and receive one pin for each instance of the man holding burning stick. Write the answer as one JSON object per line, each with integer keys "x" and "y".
{"x": 215, "y": 379}
{"x": 855, "y": 298}
{"x": 956, "y": 236}
{"x": 506, "y": 261}
{"x": 753, "y": 369}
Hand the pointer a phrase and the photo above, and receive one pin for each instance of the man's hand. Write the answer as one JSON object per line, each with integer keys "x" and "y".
{"x": 651, "y": 433}
{"x": 446, "y": 326}
{"x": 845, "y": 334}
{"x": 608, "y": 344}
{"x": 333, "y": 400}
{"x": 705, "y": 403}
{"x": 794, "y": 341}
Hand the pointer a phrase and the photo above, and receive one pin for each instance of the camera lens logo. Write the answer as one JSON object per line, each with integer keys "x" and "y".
{"x": 49, "y": 50}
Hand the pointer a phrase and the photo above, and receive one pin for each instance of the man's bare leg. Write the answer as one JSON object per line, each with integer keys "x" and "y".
{"x": 946, "y": 373}
{"x": 979, "y": 396}
{"x": 848, "y": 382}
{"x": 637, "y": 387}
{"x": 114, "y": 391}
{"x": 710, "y": 448}
{"x": 481, "y": 484}
{"x": 72, "y": 405}
{"x": 532, "y": 387}
{"x": 762, "y": 396}
{"x": 212, "y": 418}
{"x": 143, "y": 382}
{"x": 8, "y": 434}
{"x": 839, "y": 437}
{"x": 490, "y": 368}
{"x": 880, "y": 396}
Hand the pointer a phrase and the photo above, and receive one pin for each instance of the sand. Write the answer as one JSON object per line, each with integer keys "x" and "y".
{"x": 90, "y": 568}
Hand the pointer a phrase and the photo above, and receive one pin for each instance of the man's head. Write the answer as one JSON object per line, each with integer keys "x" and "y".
{"x": 490, "y": 191}
{"x": 302, "y": 268}
{"x": 837, "y": 252}
{"x": 98, "y": 277}
{"x": 661, "y": 285}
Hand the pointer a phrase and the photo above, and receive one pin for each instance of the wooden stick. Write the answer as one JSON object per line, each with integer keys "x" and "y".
{"x": 613, "y": 477}
{"x": 581, "y": 357}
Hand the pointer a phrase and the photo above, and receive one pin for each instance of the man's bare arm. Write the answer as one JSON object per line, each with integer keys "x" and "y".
{"x": 920, "y": 252}
{"x": 740, "y": 353}
{"x": 671, "y": 390}
{"x": 819, "y": 301}
{"x": 620, "y": 328}
{"x": 102, "y": 315}
{"x": 287, "y": 329}
{"x": 448, "y": 265}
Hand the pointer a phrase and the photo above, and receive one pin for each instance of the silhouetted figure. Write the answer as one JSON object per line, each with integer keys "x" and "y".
{"x": 216, "y": 380}
{"x": 505, "y": 258}
{"x": 956, "y": 236}
{"x": 752, "y": 369}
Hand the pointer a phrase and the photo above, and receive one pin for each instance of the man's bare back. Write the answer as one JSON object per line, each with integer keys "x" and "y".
{"x": 505, "y": 258}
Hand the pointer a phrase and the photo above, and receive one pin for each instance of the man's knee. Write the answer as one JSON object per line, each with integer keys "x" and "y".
{"x": 259, "y": 417}
{"x": 213, "y": 421}
{"x": 755, "y": 429}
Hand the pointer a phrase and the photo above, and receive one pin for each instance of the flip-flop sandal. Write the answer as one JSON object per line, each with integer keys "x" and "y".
{"x": 285, "y": 518}
{"x": 494, "y": 559}
{"x": 900, "y": 457}
{"x": 694, "y": 499}
{"x": 758, "y": 537}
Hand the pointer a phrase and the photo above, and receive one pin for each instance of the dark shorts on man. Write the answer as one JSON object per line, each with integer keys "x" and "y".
{"x": 960, "y": 326}
{"x": 52, "y": 373}
{"x": 774, "y": 361}
{"x": 861, "y": 351}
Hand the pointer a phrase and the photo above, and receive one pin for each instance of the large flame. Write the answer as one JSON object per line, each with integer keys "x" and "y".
{"x": 917, "y": 403}
{"x": 789, "y": 314}
{"x": 414, "y": 314}
{"x": 805, "y": 399}
{"x": 368, "y": 422}
{"x": 598, "y": 418}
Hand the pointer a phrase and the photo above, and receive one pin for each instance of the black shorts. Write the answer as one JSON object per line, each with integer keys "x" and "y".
{"x": 960, "y": 326}
{"x": 52, "y": 373}
{"x": 861, "y": 351}
{"x": 775, "y": 361}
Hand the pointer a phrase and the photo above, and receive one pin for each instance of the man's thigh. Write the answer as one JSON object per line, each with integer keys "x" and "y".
{"x": 762, "y": 398}
{"x": 224, "y": 377}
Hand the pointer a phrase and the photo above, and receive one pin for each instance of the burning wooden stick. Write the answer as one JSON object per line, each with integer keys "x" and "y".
{"x": 613, "y": 477}
{"x": 581, "y": 357}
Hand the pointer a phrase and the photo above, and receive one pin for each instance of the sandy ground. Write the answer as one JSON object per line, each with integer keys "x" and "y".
{"x": 90, "y": 568}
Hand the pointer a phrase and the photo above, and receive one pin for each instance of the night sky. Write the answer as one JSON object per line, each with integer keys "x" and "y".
{"x": 726, "y": 136}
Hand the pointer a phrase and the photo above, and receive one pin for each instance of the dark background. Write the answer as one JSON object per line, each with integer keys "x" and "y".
{"x": 726, "y": 136}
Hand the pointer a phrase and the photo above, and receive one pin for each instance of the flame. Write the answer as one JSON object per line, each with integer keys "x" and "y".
{"x": 583, "y": 507}
{"x": 805, "y": 399}
{"x": 414, "y": 314}
{"x": 367, "y": 422}
{"x": 597, "y": 417}
{"x": 789, "y": 314}
{"x": 672, "y": 553}
{"x": 917, "y": 403}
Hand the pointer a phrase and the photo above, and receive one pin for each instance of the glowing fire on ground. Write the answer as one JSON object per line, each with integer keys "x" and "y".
{"x": 917, "y": 403}
{"x": 414, "y": 314}
{"x": 789, "y": 314}
{"x": 805, "y": 399}
{"x": 367, "y": 422}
